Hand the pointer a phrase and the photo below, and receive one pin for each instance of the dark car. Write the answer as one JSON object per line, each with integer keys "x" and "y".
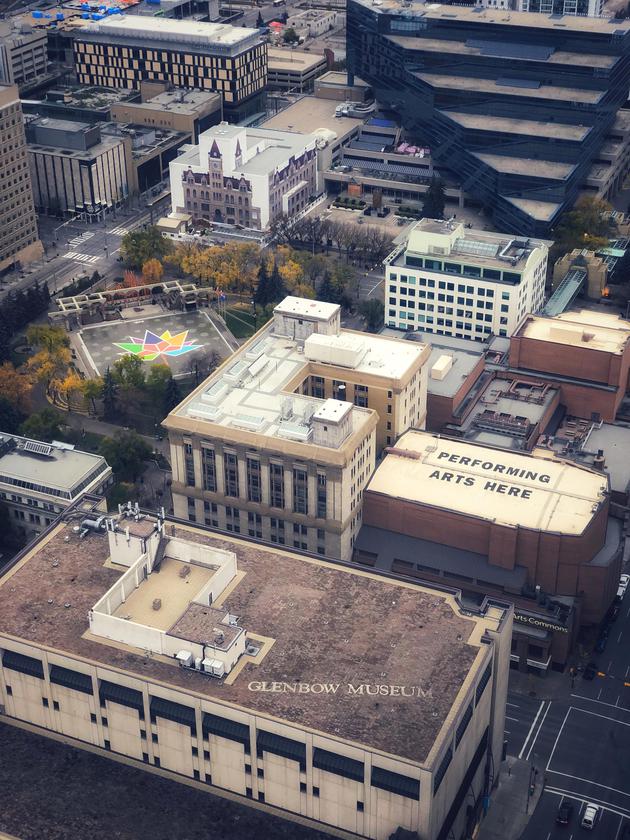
{"x": 602, "y": 641}
{"x": 613, "y": 613}
{"x": 565, "y": 812}
{"x": 590, "y": 671}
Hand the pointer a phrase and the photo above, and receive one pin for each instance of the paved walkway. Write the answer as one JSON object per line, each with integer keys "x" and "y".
{"x": 511, "y": 806}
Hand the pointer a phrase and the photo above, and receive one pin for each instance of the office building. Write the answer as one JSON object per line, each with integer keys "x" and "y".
{"x": 19, "y": 239}
{"x": 76, "y": 168}
{"x": 39, "y": 480}
{"x": 592, "y": 8}
{"x": 535, "y": 529}
{"x": 244, "y": 176}
{"x": 293, "y": 70}
{"x": 280, "y": 441}
{"x": 516, "y": 106}
{"x": 23, "y": 55}
{"x": 189, "y": 111}
{"x": 450, "y": 280}
{"x": 126, "y": 50}
{"x": 339, "y": 697}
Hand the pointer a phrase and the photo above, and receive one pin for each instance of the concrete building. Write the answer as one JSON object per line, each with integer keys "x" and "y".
{"x": 586, "y": 352}
{"x": 311, "y": 23}
{"x": 535, "y": 529}
{"x": 494, "y": 95}
{"x": 449, "y": 280}
{"x": 38, "y": 481}
{"x": 23, "y": 55}
{"x": 126, "y": 50}
{"x": 293, "y": 70}
{"x": 76, "y": 168}
{"x": 258, "y": 673}
{"x": 245, "y": 176}
{"x": 19, "y": 239}
{"x": 188, "y": 111}
{"x": 282, "y": 438}
{"x": 592, "y": 8}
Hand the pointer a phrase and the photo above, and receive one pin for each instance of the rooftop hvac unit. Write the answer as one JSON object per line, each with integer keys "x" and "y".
{"x": 185, "y": 658}
{"x": 286, "y": 408}
{"x": 213, "y": 667}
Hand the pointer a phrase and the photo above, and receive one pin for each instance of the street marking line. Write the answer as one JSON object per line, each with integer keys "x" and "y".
{"x": 514, "y": 705}
{"x": 589, "y": 782}
{"x": 217, "y": 330}
{"x": 538, "y": 731}
{"x": 601, "y": 702}
{"x": 619, "y": 637}
{"x": 618, "y": 828}
{"x": 595, "y": 714}
{"x": 555, "y": 743}
{"x": 606, "y": 806}
{"x": 514, "y": 719}
{"x": 531, "y": 728}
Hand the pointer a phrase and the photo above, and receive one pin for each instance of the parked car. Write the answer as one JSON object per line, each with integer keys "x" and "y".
{"x": 590, "y": 671}
{"x": 602, "y": 641}
{"x": 565, "y": 812}
{"x": 590, "y": 816}
{"x": 613, "y": 613}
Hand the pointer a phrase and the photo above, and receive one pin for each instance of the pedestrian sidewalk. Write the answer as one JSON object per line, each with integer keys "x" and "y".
{"x": 511, "y": 806}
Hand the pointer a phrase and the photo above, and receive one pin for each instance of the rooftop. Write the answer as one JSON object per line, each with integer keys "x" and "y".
{"x": 506, "y": 87}
{"x": 319, "y": 617}
{"x": 311, "y": 113}
{"x": 179, "y": 101}
{"x": 252, "y": 391}
{"x": 541, "y": 210}
{"x": 296, "y": 60}
{"x": 509, "y": 125}
{"x": 500, "y": 17}
{"x": 529, "y": 167}
{"x": 462, "y": 363}
{"x": 57, "y": 469}
{"x": 513, "y": 489}
{"x": 580, "y": 328}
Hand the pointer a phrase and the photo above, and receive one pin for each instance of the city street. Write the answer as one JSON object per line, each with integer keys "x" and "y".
{"x": 579, "y": 741}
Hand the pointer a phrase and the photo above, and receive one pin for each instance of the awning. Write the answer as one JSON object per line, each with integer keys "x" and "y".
{"x": 338, "y": 764}
{"x": 121, "y": 694}
{"x": 173, "y": 711}
{"x": 395, "y": 783}
{"x": 23, "y": 664}
{"x": 224, "y": 728}
{"x": 284, "y": 747}
{"x": 71, "y": 679}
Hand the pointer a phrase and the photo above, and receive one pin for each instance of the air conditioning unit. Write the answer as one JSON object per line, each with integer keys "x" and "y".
{"x": 213, "y": 667}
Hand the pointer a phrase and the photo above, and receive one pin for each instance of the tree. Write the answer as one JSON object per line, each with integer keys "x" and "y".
{"x": 138, "y": 246}
{"x": 47, "y": 338}
{"x": 587, "y": 225}
{"x": 259, "y": 21}
{"x": 128, "y": 372}
{"x": 92, "y": 390}
{"x": 152, "y": 271}
{"x": 109, "y": 394}
{"x": 10, "y": 417}
{"x": 374, "y": 312}
{"x": 157, "y": 381}
{"x": 42, "y": 425}
{"x": 15, "y": 387}
{"x": 172, "y": 396}
{"x": 126, "y": 453}
{"x": 328, "y": 291}
{"x": 290, "y": 36}
{"x": 261, "y": 295}
{"x": 434, "y": 199}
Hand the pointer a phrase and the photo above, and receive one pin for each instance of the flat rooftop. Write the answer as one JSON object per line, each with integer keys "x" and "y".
{"x": 179, "y": 101}
{"x": 253, "y": 389}
{"x": 509, "y": 125}
{"x": 185, "y": 32}
{"x": 527, "y": 166}
{"x": 615, "y": 441}
{"x": 509, "y": 488}
{"x": 541, "y": 210}
{"x": 503, "y": 87}
{"x": 463, "y": 363}
{"x": 296, "y": 60}
{"x": 501, "y": 17}
{"x": 311, "y": 113}
{"x": 580, "y": 328}
{"x": 58, "y": 470}
{"x": 328, "y": 624}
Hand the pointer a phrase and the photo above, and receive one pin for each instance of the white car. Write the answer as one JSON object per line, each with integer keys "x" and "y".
{"x": 624, "y": 581}
{"x": 590, "y": 815}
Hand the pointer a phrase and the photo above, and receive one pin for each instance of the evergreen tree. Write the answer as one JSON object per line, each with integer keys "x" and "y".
{"x": 277, "y": 289}
{"x": 109, "y": 394}
{"x": 259, "y": 21}
{"x": 327, "y": 291}
{"x": 172, "y": 396}
{"x": 434, "y": 199}
{"x": 261, "y": 296}
{"x": 10, "y": 417}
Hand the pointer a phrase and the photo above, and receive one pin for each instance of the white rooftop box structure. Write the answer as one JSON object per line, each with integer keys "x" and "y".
{"x": 345, "y": 349}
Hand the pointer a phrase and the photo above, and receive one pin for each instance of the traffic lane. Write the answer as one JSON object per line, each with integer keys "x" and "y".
{"x": 590, "y": 758}
{"x": 543, "y": 826}
{"x": 520, "y": 714}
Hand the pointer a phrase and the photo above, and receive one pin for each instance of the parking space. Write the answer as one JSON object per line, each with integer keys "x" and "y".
{"x": 175, "y": 339}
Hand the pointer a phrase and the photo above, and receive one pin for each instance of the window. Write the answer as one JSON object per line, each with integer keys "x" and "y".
{"x": 300, "y": 490}
{"x": 276, "y": 485}
{"x": 189, "y": 464}
{"x": 302, "y": 787}
{"x": 441, "y": 771}
{"x": 230, "y": 465}
{"x": 260, "y": 773}
{"x": 361, "y": 396}
{"x": 209, "y": 469}
{"x": 315, "y": 791}
{"x": 56, "y": 708}
{"x": 483, "y": 682}
{"x": 360, "y": 807}
{"x": 253, "y": 480}
{"x": 463, "y": 724}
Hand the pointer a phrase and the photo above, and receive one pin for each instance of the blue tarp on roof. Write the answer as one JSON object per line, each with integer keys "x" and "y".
{"x": 381, "y": 122}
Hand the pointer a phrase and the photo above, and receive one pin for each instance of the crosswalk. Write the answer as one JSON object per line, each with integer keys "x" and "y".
{"x": 84, "y": 258}
{"x": 80, "y": 239}
{"x": 119, "y": 231}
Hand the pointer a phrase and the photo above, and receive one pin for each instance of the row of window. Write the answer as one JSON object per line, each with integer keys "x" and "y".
{"x": 465, "y": 270}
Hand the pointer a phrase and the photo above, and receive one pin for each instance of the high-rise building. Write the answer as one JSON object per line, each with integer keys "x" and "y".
{"x": 19, "y": 240}
{"x": 126, "y": 50}
{"x": 23, "y": 55}
{"x": 449, "y": 280}
{"x": 281, "y": 440}
{"x": 517, "y": 106}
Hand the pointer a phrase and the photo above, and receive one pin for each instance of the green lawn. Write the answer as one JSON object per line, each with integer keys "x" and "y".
{"x": 240, "y": 322}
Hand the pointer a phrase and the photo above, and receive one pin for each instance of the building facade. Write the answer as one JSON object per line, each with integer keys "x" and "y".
{"x": 23, "y": 55}
{"x": 75, "y": 168}
{"x": 449, "y": 280}
{"x": 245, "y": 176}
{"x": 293, "y": 70}
{"x": 221, "y": 684}
{"x": 38, "y": 481}
{"x": 516, "y": 106}
{"x": 281, "y": 440}
{"x": 125, "y": 51}
{"x": 19, "y": 239}
{"x": 592, "y": 8}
